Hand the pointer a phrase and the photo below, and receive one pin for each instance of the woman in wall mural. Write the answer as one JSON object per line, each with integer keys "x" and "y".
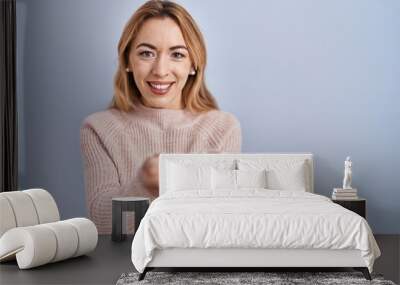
{"x": 160, "y": 105}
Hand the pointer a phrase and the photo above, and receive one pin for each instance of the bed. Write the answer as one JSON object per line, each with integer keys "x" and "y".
{"x": 247, "y": 210}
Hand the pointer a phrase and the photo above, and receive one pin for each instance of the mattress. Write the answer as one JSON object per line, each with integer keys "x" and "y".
{"x": 251, "y": 219}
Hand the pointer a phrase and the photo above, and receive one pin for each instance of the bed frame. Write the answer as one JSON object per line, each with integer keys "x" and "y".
{"x": 242, "y": 259}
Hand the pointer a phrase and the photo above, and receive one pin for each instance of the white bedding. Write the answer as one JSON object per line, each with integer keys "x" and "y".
{"x": 251, "y": 218}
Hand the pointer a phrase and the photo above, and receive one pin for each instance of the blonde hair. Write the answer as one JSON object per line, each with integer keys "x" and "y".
{"x": 195, "y": 95}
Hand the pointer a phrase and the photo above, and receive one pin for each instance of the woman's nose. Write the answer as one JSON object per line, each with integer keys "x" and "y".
{"x": 160, "y": 67}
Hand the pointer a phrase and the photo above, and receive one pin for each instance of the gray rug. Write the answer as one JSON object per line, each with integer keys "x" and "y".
{"x": 269, "y": 278}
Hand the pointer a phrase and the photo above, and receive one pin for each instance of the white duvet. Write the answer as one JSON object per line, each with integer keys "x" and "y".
{"x": 251, "y": 218}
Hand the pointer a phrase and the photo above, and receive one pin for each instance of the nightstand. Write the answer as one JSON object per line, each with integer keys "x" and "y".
{"x": 139, "y": 205}
{"x": 358, "y": 206}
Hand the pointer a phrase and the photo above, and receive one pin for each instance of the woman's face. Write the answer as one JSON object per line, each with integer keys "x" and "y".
{"x": 160, "y": 63}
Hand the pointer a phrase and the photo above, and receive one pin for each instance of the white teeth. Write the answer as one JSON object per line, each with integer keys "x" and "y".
{"x": 160, "y": 86}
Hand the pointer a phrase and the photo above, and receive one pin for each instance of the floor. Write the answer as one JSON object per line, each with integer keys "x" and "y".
{"x": 389, "y": 262}
{"x": 102, "y": 266}
{"x": 110, "y": 260}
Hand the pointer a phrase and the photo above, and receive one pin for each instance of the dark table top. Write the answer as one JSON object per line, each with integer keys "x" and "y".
{"x": 102, "y": 266}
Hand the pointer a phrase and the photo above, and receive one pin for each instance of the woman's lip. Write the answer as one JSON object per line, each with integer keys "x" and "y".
{"x": 158, "y": 91}
{"x": 160, "y": 82}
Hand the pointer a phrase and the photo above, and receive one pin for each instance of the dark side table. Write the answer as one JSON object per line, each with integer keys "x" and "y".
{"x": 139, "y": 205}
{"x": 358, "y": 206}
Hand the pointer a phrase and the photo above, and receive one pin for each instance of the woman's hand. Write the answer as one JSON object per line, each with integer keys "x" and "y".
{"x": 149, "y": 175}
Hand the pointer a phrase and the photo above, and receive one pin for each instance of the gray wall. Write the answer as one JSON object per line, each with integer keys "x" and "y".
{"x": 315, "y": 76}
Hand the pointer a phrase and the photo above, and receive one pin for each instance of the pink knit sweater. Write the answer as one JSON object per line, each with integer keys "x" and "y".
{"x": 115, "y": 144}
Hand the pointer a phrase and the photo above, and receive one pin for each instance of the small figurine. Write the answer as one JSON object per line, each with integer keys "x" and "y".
{"x": 347, "y": 174}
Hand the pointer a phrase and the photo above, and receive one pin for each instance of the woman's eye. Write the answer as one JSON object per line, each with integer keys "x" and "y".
{"x": 146, "y": 53}
{"x": 178, "y": 55}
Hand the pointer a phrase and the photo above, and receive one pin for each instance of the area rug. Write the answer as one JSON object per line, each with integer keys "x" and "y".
{"x": 269, "y": 278}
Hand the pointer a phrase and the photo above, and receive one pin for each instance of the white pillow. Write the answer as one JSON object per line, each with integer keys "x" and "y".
{"x": 281, "y": 174}
{"x": 186, "y": 177}
{"x": 223, "y": 179}
{"x": 236, "y": 179}
{"x": 251, "y": 178}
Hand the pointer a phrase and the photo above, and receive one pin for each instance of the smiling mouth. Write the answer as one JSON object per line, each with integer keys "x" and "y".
{"x": 159, "y": 88}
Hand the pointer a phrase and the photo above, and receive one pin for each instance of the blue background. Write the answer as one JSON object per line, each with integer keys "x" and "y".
{"x": 301, "y": 76}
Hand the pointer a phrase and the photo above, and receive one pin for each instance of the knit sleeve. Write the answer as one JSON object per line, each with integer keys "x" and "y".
{"x": 232, "y": 140}
{"x": 224, "y": 132}
{"x": 101, "y": 180}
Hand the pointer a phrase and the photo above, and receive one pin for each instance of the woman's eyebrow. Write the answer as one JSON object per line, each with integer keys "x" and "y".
{"x": 146, "y": 45}
{"x": 153, "y": 47}
{"x": 178, "y": 47}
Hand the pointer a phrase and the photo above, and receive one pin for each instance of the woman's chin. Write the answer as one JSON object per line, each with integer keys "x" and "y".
{"x": 161, "y": 103}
